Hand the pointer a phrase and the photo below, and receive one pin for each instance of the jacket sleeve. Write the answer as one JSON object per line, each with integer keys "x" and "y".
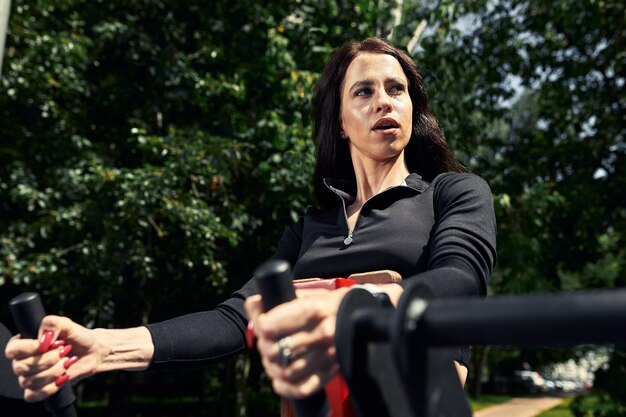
{"x": 463, "y": 239}
{"x": 202, "y": 338}
{"x": 462, "y": 243}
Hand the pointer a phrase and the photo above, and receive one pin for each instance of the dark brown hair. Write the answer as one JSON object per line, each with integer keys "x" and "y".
{"x": 427, "y": 152}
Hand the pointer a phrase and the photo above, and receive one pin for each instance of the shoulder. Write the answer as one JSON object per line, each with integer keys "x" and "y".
{"x": 461, "y": 193}
{"x": 455, "y": 184}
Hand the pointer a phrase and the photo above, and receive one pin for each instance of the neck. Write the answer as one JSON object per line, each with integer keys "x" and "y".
{"x": 372, "y": 177}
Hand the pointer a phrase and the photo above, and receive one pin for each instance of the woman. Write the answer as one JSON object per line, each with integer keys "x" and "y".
{"x": 375, "y": 130}
{"x": 396, "y": 200}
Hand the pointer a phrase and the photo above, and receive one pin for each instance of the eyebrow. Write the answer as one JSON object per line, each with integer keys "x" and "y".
{"x": 369, "y": 83}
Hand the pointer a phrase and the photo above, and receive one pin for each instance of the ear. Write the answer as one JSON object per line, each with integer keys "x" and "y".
{"x": 342, "y": 133}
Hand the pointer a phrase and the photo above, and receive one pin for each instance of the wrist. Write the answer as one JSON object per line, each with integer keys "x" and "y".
{"x": 124, "y": 349}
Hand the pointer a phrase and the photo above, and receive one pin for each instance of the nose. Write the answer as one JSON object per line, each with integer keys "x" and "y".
{"x": 384, "y": 102}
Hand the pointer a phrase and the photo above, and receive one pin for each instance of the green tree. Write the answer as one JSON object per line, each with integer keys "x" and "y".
{"x": 531, "y": 96}
{"x": 609, "y": 389}
{"x": 152, "y": 152}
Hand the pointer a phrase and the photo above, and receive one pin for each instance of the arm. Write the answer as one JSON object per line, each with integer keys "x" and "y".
{"x": 192, "y": 340}
{"x": 210, "y": 336}
{"x": 463, "y": 244}
{"x": 66, "y": 350}
{"x": 463, "y": 239}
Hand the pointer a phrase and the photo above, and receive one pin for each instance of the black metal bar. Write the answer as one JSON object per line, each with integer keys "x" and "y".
{"x": 417, "y": 366}
{"x": 559, "y": 319}
{"x": 275, "y": 284}
{"x": 360, "y": 321}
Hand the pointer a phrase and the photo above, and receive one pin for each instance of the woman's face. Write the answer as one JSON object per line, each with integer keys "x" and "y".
{"x": 376, "y": 109}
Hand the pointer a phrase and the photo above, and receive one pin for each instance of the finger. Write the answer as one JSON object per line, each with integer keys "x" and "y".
{"x": 311, "y": 292}
{"x": 19, "y": 348}
{"x": 48, "y": 339}
{"x": 39, "y": 363}
{"x": 45, "y": 377}
{"x": 272, "y": 369}
{"x": 56, "y": 344}
{"x": 45, "y": 340}
{"x": 61, "y": 327}
{"x": 70, "y": 361}
{"x": 31, "y": 366}
{"x": 285, "y": 319}
{"x": 305, "y": 387}
{"x": 301, "y": 342}
{"x": 34, "y": 395}
{"x": 312, "y": 362}
{"x": 308, "y": 363}
{"x": 253, "y": 306}
{"x": 299, "y": 314}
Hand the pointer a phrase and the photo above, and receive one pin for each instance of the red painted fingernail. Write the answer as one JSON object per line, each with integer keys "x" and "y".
{"x": 61, "y": 380}
{"x": 250, "y": 337}
{"x": 45, "y": 341}
{"x": 71, "y": 361}
{"x": 55, "y": 345}
{"x": 63, "y": 352}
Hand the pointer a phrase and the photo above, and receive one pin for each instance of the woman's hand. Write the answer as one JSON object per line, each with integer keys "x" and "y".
{"x": 67, "y": 351}
{"x": 304, "y": 330}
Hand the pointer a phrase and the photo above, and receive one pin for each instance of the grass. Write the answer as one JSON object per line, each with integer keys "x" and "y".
{"x": 561, "y": 410}
{"x": 487, "y": 400}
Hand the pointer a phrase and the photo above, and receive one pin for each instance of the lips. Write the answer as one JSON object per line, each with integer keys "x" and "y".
{"x": 386, "y": 124}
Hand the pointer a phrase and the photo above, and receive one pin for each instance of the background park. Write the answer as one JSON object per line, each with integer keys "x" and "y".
{"x": 152, "y": 152}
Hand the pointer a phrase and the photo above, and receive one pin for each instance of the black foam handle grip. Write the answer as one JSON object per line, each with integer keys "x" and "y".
{"x": 27, "y": 311}
{"x": 275, "y": 284}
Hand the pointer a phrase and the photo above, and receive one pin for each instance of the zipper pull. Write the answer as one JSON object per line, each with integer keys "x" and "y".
{"x": 347, "y": 241}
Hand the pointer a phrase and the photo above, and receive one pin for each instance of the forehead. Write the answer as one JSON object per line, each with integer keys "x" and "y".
{"x": 370, "y": 66}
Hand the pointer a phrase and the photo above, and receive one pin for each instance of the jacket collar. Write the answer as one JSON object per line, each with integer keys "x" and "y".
{"x": 346, "y": 189}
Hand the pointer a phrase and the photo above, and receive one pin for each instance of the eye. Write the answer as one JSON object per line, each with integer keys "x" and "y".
{"x": 365, "y": 91}
{"x": 397, "y": 89}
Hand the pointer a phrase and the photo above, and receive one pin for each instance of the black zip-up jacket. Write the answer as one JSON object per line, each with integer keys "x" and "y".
{"x": 441, "y": 233}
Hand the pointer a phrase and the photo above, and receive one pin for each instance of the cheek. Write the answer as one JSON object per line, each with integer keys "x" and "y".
{"x": 350, "y": 120}
{"x": 406, "y": 109}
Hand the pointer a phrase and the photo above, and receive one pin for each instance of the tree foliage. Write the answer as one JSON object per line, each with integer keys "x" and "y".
{"x": 144, "y": 143}
{"x": 531, "y": 94}
{"x": 152, "y": 152}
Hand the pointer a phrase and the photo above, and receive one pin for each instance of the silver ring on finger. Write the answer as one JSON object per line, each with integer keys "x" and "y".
{"x": 284, "y": 351}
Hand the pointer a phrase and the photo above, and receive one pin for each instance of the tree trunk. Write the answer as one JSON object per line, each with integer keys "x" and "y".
{"x": 242, "y": 371}
{"x": 234, "y": 403}
{"x": 479, "y": 364}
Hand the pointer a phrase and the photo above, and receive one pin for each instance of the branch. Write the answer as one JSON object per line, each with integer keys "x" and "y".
{"x": 70, "y": 249}
{"x": 417, "y": 34}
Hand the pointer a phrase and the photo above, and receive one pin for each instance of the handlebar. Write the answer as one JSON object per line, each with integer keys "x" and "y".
{"x": 27, "y": 311}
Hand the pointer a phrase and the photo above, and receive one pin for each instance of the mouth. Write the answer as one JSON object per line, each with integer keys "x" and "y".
{"x": 385, "y": 125}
